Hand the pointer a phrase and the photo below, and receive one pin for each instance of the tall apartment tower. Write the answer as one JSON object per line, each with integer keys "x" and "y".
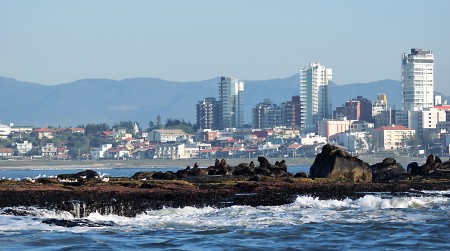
{"x": 291, "y": 112}
{"x": 231, "y": 103}
{"x": 315, "y": 101}
{"x": 267, "y": 115}
{"x": 417, "y": 80}
{"x": 208, "y": 114}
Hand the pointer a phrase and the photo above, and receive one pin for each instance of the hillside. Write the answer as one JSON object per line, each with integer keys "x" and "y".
{"x": 142, "y": 99}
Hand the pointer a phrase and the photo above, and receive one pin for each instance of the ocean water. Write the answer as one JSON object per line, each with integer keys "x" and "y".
{"x": 416, "y": 221}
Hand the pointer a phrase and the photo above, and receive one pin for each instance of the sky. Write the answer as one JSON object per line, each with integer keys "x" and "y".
{"x": 57, "y": 41}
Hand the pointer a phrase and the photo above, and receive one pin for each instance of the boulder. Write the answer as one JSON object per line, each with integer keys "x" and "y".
{"x": 300, "y": 175}
{"x": 386, "y": 170}
{"x": 164, "y": 176}
{"x": 337, "y": 165}
{"x": 87, "y": 174}
{"x": 143, "y": 175}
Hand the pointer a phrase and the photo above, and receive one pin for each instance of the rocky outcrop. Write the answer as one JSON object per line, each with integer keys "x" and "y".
{"x": 386, "y": 170}
{"x": 87, "y": 174}
{"x": 337, "y": 165}
{"x": 244, "y": 184}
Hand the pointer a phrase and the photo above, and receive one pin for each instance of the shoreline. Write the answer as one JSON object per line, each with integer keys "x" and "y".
{"x": 182, "y": 163}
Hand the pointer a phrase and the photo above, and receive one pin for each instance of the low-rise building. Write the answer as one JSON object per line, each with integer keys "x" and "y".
{"x": 100, "y": 152}
{"x": 165, "y": 135}
{"x": 311, "y": 139}
{"x": 5, "y": 131}
{"x": 391, "y": 137}
{"x": 6, "y": 153}
{"x": 310, "y": 150}
{"x": 18, "y": 130}
{"x": 43, "y": 133}
{"x": 24, "y": 147}
{"x": 329, "y": 128}
{"x": 49, "y": 150}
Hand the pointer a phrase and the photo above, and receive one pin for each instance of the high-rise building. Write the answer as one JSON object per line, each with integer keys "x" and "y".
{"x": 315, "y": 101}
{"x": 267, "y": 115}
{"x": 380, "y": 105}
{"x": 291, "y": 112}
{"x": 231, "y": 103}
{"x": 355, "y": 109}
{"x": 417, "y": 80}
{"x": 208, "y": 114}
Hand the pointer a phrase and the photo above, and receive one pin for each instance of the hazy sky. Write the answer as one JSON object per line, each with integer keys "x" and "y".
{"x": 54, "y": 42}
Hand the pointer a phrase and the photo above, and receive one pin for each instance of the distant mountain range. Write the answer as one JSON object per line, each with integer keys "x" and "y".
{"x": 143, "y": 99}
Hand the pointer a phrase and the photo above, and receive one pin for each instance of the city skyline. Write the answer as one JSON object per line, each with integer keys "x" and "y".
{"x": 59, "y": 42}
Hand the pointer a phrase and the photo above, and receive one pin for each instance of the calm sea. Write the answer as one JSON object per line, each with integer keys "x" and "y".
{"x": 373, "y": 222}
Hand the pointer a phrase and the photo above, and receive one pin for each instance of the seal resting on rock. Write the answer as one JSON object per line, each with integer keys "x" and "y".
{"x": 386, "y": 170}
{"x": 337, "y": 165}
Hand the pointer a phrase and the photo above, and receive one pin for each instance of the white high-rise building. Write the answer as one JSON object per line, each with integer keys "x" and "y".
{"x": 315, "y": 101}
{"x": 231, "y": 103}
{"x": 417, "y": 80}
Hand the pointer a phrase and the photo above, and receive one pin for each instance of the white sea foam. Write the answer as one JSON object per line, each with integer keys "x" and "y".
{"x": 306, "y": 209}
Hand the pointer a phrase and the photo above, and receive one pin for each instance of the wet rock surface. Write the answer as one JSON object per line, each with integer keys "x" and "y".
{"x": 222, "y": 185}
{"x": 386, "y": 170}
{"x": 338, "y": 165}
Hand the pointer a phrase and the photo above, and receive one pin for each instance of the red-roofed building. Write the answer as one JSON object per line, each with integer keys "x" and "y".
{"x": 43, "y": 133}
{"x": 208, "y": 153}
{"x": 442, "y": 107}
{"x": 75, "y": 130}
{"x": 231, "y": 152}
{"x": 207, "y": 136}
{"x": 292, "y": 150}
{"x": 107, "y": 133}
{"x": 391, "y": 137}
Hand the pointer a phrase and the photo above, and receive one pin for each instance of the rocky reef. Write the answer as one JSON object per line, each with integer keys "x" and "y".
{"x": 334, "y": 174}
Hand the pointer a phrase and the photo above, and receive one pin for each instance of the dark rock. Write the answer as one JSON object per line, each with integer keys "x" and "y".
{"x": 277, "y": 173}
{"x": 335, "y": 164}
{"x": 164, "y": 176}
{"x": 87, "y": 174}
{"x": 256, "y": 177}
{"x": 77, "y": 223}
{"x": 142, "y": 175}
{"x": 301, "y": 175}
{"x": 198, "y": 171}
{"x": 386, "y": 170}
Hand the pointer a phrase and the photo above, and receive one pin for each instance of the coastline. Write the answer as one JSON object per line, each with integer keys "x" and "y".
{"x": 182, "y": 163}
